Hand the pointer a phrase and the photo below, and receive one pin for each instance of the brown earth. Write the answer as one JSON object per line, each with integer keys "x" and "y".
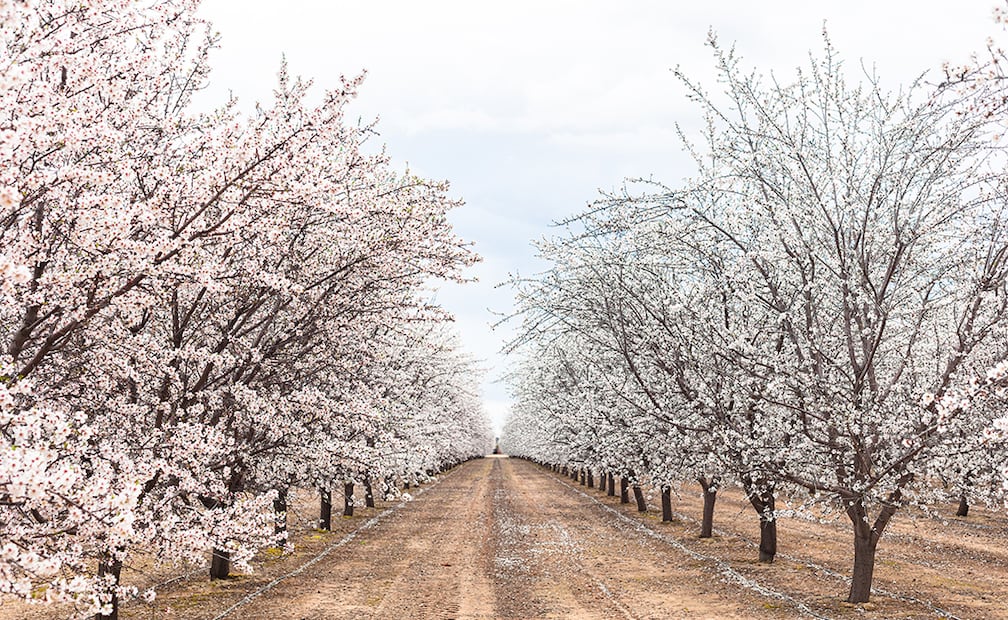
{"x": 504, "y": 538}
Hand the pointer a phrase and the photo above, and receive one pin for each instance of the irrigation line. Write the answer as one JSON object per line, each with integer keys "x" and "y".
{"x": 370, "y": 523}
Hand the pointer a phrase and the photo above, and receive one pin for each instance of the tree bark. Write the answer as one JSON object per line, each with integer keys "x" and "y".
{"x": 325, "y": 509}
{"x": 963, "y": 510}
{"x": 584, "y": 477}
{"x": 864, "y": 567}
{"x": 348, "y": 499}
{"x": 709, "y": 497}
{"x": 761, "y": 496}
{"x": 624, "y": 490}
{"x": 368, "y": 493}
{"x": 220, "y": 560}
{"x": 639, "y": 496}
{"x": 591, "y": 479}
{"x": 610, "y": 485}
{"x": 767, "y": 540}
{"x": 866, "y": 539}
{"x": 280, "y": 518}
{"x": 220, "y": 564}
{"x": 113, "y": 567}
{"x": 666, "y": 503}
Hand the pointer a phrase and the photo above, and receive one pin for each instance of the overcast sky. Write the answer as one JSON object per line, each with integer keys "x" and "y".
{"x": 530, "y": 107}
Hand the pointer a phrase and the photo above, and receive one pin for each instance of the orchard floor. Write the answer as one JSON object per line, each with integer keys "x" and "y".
{"x": 503, "y": 538}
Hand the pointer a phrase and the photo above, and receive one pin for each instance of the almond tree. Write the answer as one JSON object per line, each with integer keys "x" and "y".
{"x": 606, "y": 296}
{"x": 86, "y": 104}
{"x": 186, "y": 296}
{"x": 645, "y": 283}
{"x": 867, "y": 228}
{"x": 839, "y": 254}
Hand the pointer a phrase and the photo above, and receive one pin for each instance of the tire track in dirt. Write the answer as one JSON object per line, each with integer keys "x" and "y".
{"x": 370, "y": 523}
{"x": 499, "y": 538}
{"x": 606, "y": 569}
{"x": 446, "y": 561}
{"x": 537, "y": 563}
{"x": 428, "y": 560}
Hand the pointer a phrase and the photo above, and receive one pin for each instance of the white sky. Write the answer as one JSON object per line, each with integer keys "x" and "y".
{"x": 529, "y": 107}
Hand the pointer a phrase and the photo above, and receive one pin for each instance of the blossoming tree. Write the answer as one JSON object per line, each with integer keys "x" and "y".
{"x": 188, "y": 298}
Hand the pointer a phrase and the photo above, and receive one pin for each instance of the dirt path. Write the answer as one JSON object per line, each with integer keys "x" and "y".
{"x": 561, "y": 554}
{"x": 499, "y": 538}
{"x": 504, "y": 538}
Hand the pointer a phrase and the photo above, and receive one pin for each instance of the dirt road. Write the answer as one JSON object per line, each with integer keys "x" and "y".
{"x": 504, "y": 538}
{"x": 500, "y": 538}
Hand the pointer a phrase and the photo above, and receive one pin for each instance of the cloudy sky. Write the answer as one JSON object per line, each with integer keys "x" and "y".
{"x": 529, "y": 108}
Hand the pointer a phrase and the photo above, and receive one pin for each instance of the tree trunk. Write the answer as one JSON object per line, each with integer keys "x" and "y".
{"x": 584, "y": 477}
{"x": 963, "y": 502}
{"x": 709, "y": 497}
{"x": 280, "y": 518}
{"x": 113, "y": 567}
{"x": 591, "y": 479}
{"x": 639, "y": 496}
{"x": 963, "y": 506}
{"x": 348, "y": 499}
{"x": 866, "y": 539}
{"x": 666, "y": 503}
{"x": 761, "y": 496}
{"x": 325, "y": 509}
{"x": 368, "y": 493}
{"x": 220, "y": 564}
{"x": 610, "y": 485}
{"x": 767, "y": 540}
{"x": 624, "y": 490}
{"x": 864, "y": 567}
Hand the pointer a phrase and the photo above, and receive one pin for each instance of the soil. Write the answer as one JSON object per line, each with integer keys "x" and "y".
{"x": 504, "y": 538}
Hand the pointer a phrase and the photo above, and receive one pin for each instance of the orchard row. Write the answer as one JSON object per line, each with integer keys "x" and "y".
{"x": 201, "y": 311}
{"x": 818, "y": 314}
